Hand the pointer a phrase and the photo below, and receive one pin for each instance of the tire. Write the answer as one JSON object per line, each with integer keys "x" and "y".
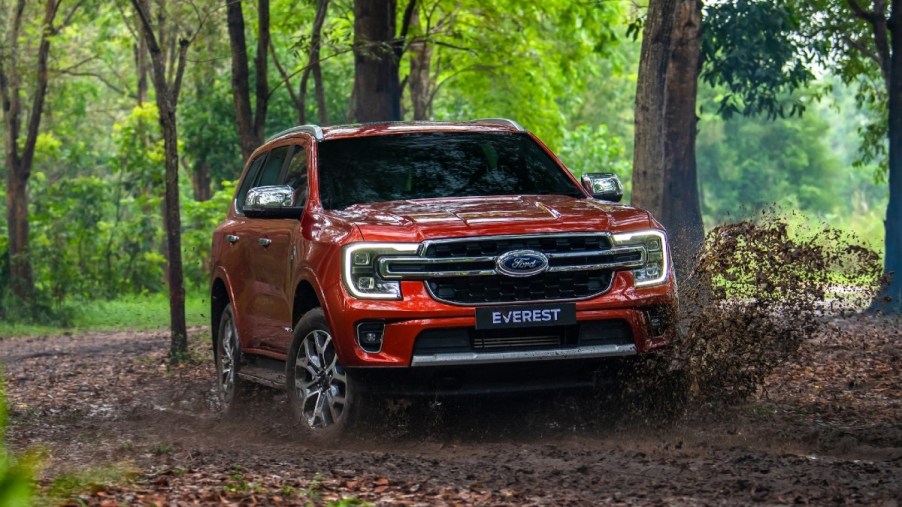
{"x": 323, "y": 397}
{"x": 230, "y": 389}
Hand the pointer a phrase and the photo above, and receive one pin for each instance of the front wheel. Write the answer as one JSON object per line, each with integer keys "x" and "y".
{"x": 322, "y": 395}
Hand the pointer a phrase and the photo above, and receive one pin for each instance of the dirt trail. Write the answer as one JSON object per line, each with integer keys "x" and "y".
{"x": 824, "y": 430}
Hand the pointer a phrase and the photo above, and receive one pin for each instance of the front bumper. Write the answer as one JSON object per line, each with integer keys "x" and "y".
{"x": 410, "y": 321}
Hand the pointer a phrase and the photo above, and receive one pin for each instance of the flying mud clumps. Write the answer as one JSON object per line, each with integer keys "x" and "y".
{"x": 756, "y": 293}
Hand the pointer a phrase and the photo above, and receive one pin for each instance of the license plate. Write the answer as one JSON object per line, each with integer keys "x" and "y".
{"x": 525, "y": 316}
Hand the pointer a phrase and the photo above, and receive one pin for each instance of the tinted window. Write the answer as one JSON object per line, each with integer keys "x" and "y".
{"x": 248, "y": 181}
{"x": 429, "y": 165}
{"x": 296, "y": 176}
{"x": 272, "y": 170}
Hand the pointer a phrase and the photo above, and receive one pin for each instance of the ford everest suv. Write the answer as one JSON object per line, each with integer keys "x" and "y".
{"x": 427, "y": 258}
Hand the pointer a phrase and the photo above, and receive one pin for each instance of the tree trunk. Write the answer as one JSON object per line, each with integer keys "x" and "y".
{"x": 18, "y": 164}
{"x": 260, "y": 71}
{"x": 244, "y": 117}
{"x": 648, "y": 151}
{"x": 313, "y": 68}
{"x": 681, "y": 209}
{"x": 315, "y": 46}
{"x": 890, "y": 299}
{"x": 377, "y": 88}
{"x": 201, "y": 181}
{"x": 419, "y": 80}
{"x": 167, "y": 92}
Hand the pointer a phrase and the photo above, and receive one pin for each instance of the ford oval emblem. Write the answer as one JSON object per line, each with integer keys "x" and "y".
{"x": 521, "y": 263}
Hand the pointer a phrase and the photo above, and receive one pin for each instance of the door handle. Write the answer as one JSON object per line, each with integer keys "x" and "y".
{"x": 264, "y": 241}
{"x": 231, "y": 238}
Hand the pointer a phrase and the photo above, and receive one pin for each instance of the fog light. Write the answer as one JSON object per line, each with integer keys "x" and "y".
{"x": 660, "y": 319}
{"x": 369, "y": 335}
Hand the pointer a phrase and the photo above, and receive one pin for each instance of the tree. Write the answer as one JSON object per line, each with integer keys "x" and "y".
{"x": 664, "y": 169}
{"x": 751, "y": 48}
{"x": 167, "y": 71}
{"x": 377, "y": 85}
{"x": 681, "y": 209}
{"x": 20, "y": 152}
{"x": 313, "y": 67}
{"x": 865, "y": 46}
{"x": 251, "y": 123}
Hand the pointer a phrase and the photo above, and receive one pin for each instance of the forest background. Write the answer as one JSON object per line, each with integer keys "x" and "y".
{"x": 565, "y": 70}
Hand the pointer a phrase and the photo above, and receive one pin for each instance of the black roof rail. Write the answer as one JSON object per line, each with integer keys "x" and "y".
{"x": 502, "y": 121}
{"x": 313, "y": 130}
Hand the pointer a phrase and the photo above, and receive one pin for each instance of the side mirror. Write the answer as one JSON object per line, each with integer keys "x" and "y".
{"x": 272, "y": 201}
{"x": 603, "y": 186}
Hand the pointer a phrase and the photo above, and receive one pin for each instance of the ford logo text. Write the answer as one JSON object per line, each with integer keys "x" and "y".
{"x": 521, "y": 263}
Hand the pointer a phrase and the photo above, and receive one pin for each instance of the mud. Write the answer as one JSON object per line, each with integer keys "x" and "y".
{"x": 780, "y": 393}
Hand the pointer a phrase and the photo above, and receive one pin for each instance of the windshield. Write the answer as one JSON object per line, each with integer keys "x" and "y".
{"x": 430, "y": 165}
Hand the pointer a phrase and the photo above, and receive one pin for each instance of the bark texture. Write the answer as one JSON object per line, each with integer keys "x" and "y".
{"x": 419, "y": 80}
{"x": 377, "y": 88}
{"x": 250, "y": 121}
{"x": 665, "y": 181}
{"x": 681, "y": 207}
{"x": 648, "y": 151}
{"x": 167, "y": 86}
{"x": 891, "y": 298}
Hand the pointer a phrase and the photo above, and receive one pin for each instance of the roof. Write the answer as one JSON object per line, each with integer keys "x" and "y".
{"x": 383, "y": 128}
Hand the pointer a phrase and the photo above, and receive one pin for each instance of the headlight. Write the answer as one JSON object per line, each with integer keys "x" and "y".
{"x": 657, "y": 263}
{"x": 358, "y": 269}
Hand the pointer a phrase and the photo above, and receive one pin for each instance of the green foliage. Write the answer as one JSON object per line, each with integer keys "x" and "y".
{"x": 588, "y": 150}
{"x": 845, "y": 47}
{"x": 531, "y": 66}
{"x": 199, "y": 219}
{"x": 747, "y": 165}
{"x": 734, "y": 171}
{"x": 751, "y": 49}
{"x": 149, "y": 312}
{"x": 16, "y": 474}
{"x": 65, "y": 487}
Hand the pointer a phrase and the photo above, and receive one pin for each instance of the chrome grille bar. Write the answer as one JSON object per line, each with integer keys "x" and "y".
{"x": 393, "y": 268}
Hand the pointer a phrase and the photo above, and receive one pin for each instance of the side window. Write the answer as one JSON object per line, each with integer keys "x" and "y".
{"x": 248, "y": 182}
{"x": 296, "y": 176}
{"x": 272, "y": 169}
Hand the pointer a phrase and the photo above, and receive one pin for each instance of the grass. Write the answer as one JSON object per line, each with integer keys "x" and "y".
{"x": 135, "y": 313}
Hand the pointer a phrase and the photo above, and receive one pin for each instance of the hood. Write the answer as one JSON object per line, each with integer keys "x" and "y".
{"x": 418, "y": 220}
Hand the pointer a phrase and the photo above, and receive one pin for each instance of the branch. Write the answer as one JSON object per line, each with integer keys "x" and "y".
{"x": 180, "y": 71}
{"x": 65, "y": 70}
{"x": 861, "y": 48}
{"x": 405, "y": 28}
{"x": 125, "y": 20}
{"x": 285, "y": 77}
{"x": 154, "y": 46}
{"x": 99, "y": 77}
{"x": 68, "y": 18}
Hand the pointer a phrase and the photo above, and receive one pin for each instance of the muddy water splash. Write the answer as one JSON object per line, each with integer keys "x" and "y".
{"x": 756, "y": 293}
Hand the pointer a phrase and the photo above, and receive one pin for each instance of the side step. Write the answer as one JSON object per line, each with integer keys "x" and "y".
{"x": 262, "y": 375}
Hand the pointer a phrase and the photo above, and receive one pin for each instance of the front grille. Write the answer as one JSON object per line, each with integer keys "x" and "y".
{"x": 547, "y": 286}
{"x": 547, "y": 244}
{"x": 471, "y": 271}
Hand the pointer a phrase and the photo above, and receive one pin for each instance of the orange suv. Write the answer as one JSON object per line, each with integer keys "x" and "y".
{"x": 428, "y": 258}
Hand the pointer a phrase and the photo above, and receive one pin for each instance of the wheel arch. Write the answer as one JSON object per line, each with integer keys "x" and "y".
{"x": 219, "y": 300}
{"x": 306, "y": 298}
